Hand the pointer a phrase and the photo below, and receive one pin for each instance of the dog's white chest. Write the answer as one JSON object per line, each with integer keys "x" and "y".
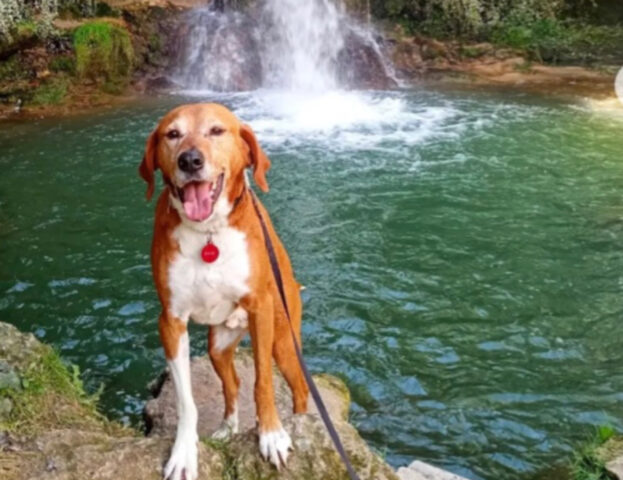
{"x": 208, "y": 292}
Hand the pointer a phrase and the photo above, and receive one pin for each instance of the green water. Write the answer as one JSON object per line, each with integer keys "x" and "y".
{"x": 462, "y": 254}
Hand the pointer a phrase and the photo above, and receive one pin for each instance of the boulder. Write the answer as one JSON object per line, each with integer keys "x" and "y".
{"x": 51, "y": 429}
{"x": 360, "y": 63}
{"x": 55, "y": 433}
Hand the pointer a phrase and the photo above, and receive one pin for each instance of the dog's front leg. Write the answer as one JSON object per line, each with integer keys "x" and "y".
{"x": 274, "y": 441}
{"x": 183, "y": 461}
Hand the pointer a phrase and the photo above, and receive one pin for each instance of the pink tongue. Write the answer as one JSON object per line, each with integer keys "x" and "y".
{"x": 198, "y": 201}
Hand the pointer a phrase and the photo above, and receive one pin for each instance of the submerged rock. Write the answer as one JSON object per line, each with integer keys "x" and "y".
{"x": 423, "y": 471}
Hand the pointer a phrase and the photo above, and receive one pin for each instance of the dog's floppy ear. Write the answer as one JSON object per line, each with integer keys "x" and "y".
{"x": 258, "y": 159}
{"x": 150, "y": 163}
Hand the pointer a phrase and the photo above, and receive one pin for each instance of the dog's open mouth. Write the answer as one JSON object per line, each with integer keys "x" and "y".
{"x": 198, "y": 198}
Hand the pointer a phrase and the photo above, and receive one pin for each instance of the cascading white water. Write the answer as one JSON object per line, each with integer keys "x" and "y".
{"x": 303, "y": 44}
{"x": 310, "y": 45}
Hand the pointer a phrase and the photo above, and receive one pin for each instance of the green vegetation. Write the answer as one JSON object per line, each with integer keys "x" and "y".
{"x": 589, "y": 463}
{"x": 45, "y": 393}
{"x": 12, "y": 69}
{"x": 556, "y": 31}
{"x": 26, "y": 29}
{"x": 51, "y": 92}
{"x": 104, "y": 54}
{"x": 63, "y": 64}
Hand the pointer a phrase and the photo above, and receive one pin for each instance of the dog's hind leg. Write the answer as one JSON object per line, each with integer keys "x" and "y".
{"x": 222, "y": 342}
{"x": 285, "y": 358}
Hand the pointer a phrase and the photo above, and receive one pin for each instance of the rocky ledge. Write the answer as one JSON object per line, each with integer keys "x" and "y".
{"x": 50, "y": 429}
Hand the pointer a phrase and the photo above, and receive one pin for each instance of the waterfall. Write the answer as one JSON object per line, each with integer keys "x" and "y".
{"x": 310, "y": 45}
{"x": 303, "y": 44}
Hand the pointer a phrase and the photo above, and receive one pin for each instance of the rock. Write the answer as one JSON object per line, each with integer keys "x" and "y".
{"x": 74, "y": 442}
{"x": 6, "y": 406}
{"x": 361, "y": 63}
{"x": 161, "y": 416}
{"x": 76, "y": 455}
{"x": 8, "y": 377}
{"x": 611, "y": 455}
{"x": 17, "y": 349}
{"x": 156, "y": 84}
{"x": 423, "y": 471}
{"x": 615, "y": 467}
{"x": 314, "y": 455}
{"x": 407, "y": 57}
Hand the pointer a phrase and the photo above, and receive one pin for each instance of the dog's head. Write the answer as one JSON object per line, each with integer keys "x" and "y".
{"x": 203, "y": 151}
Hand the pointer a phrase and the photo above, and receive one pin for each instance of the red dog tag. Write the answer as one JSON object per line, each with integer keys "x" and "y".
{"x": 209, "y": 253}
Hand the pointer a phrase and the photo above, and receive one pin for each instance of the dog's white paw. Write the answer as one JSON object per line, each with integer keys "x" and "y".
{"x": 275, "y": 446}
{"x": 183, "y": 461}
{"x": 238, "y": 319}
{"x": 228, "y": 428}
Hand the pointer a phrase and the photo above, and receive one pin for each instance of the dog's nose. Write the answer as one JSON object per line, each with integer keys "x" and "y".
{"x": 190, "y": 161}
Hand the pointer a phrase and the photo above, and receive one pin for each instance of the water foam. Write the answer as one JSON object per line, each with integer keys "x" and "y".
{"x": 341, "y": 121}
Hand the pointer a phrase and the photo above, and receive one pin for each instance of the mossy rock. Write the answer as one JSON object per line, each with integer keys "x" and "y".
{"x": 57, "y": 433}
{"x": 51, "y": 92}
{"x": 104, "y": 53}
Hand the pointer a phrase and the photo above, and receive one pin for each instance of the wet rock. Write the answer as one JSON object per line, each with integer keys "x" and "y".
{"x": 407, "y": 58}
{"x": 423, "y": 471}
{"x": 157, "y": 84}
{"x": 361, "y": 63}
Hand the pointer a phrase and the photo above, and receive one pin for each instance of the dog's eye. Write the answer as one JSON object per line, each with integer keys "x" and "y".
{"x": 217, "y": 131}
{"x": 172, "y": 134}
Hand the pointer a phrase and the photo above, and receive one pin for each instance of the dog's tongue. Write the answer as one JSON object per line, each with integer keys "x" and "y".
{"x": 198, "y": 201}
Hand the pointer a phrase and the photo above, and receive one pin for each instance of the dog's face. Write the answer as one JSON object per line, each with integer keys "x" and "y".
{"x": 202, "y": 151}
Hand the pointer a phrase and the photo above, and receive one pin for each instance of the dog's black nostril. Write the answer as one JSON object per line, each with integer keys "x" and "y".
{"x": 190, "y": 161}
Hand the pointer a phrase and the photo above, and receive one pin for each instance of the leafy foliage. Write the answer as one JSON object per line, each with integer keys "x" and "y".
{"x": 550, "y": 30}
{"x": 104, "y": 53}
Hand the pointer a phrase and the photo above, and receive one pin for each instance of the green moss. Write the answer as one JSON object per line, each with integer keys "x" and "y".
{"x": 52, "y": 92}
{"x": 13, "y": 69}
{"x": 589, "y": 462}
{"x": 469, "y": 51}
{"x": 222, "y": 447}
{"x": 104, "y": 53}
{"x": 63, "y": 64}
{"x": 51, "y": 395}
{"x": 102, "y": 9}
{"x": 26, "y": 29}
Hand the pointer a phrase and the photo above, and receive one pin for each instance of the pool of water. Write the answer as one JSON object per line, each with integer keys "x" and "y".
{"x": 462, "y": 252}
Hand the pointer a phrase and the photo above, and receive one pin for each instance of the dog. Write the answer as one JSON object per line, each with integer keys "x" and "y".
{"x": 210, "y": 264}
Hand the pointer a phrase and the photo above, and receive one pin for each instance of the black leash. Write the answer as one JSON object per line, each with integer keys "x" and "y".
{"x": 322, "y": 409}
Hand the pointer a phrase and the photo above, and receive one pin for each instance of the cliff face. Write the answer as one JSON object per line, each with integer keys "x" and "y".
{"x": 49, "y": 428}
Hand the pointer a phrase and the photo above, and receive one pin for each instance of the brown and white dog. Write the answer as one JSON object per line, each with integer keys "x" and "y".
{"x": 203, "y": 151}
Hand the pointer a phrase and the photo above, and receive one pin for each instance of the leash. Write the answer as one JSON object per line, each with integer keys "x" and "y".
{"x": 322, "y": 409}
